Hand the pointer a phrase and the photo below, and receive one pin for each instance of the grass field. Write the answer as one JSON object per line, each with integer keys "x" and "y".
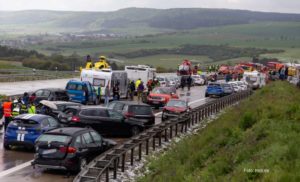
{"x": 11, "y": 65}
{"x": 269, "y": 35}
{"x": 256, "y": 140}
{"x": 167, "y": 60}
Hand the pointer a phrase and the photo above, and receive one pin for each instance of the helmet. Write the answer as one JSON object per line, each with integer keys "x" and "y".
{"x": 102, "y": 57}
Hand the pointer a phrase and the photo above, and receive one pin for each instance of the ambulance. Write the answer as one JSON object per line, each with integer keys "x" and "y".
{"x": 106, "y": 77}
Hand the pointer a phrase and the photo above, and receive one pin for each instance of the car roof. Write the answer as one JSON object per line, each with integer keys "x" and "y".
{"x": 130, "y": 103}
{"x": 67, "y": 130}
{"x": 34, "y": 117}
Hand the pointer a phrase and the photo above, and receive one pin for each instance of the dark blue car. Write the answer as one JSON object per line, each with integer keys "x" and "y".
{"x": 218, "y": 89}
{"x": 26, "y": 128}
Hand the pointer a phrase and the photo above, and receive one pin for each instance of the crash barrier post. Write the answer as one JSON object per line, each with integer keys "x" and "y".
{"x": 110, "y": 161}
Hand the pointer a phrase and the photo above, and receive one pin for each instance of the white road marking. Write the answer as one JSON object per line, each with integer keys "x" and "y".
{"x": 26, "y": 164}
{"x": 14, "y": 169}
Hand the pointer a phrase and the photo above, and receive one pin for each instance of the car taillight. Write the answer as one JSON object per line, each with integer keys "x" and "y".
{"x": 128, "y": 114}
{"x": 69, "y": 150}
{"x": 75, "y": 119}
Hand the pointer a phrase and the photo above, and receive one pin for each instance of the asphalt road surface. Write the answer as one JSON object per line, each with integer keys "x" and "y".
{"x": 15, "y": 164}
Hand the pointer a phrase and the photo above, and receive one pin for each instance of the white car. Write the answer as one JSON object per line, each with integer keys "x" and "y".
{"x": 163, "y": 81}
{"x": 197, "y": 80}
{"x": 242, "y": 84}
{"x": 235, "y": 86}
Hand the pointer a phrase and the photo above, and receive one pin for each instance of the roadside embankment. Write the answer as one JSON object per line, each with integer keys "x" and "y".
{"x": 257, "y": 139}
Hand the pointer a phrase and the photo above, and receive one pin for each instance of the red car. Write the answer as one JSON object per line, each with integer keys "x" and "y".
{"x": 173, "y": 108}
{"x": 160, "y": 96}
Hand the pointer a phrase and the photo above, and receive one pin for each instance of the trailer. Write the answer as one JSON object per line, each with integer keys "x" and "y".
{"x": 142, "y": 72}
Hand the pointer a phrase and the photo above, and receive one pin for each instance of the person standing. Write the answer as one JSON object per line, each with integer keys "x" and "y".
{"x": 182, "y": 82}
{"x": 25, "y": 98}
{"x": 149, "y": 85}
{"x": 7, "y": 111}
{"x": 131, "y": 89}
{"x": 189, "y": 82}
{"x": 32, "y": 98}
{"x": 116, "y": 92}
{"x": 106, "y": 95}
{"x": 140, "y": 91}
{"x": 99, "y": 94}
{"x": 31, "y": 108}
{"x": 137, "y": 83}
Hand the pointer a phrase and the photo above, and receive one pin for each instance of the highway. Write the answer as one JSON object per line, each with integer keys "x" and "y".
{"x": 15, "y": 164}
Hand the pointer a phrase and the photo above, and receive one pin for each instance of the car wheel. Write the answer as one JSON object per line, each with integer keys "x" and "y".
{"x": 135, "y": 130}
{"x": 6, "y": 146}
{"x": 82, "y": 163}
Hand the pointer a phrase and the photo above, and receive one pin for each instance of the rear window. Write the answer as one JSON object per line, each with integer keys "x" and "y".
{"x": 54, "y": 138}
{"x": 74, "y": 86}
{"x": 61, "y": 94}
{"x": 140, "y": 110}
{"x": 24, "y": 122}
{"x": 214, "y": 85}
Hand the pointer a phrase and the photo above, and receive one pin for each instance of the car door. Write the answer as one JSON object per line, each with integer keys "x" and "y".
{"x": 95, "y": 118}
{"x": 39, "y": 95}
{"x": 53, "y": 123}
{"x": 45, "y": 125}
{"x": 92, "y": 147}
{"x": 98, "y": 141}
{"x": 81, "y": 147}
{"x": 116, "y": 125}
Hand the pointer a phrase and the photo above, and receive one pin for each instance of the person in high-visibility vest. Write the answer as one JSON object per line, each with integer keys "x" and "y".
{"x": 7, "y": 112}
{"x": 137, "y": 83}
{"x": 31, "y": 108}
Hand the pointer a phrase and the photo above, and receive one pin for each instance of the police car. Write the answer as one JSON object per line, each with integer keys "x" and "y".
{"x": 26, "y": 128}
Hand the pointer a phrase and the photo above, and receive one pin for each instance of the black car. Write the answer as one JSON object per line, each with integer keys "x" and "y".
{"x": 106, "y": 121}
{"x": 51, "y": 94}
{"x": 134, "y": 110}
{"x": 69, "y": 148}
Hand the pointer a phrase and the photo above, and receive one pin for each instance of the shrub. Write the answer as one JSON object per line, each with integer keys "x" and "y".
{"x": 247, "y": 121}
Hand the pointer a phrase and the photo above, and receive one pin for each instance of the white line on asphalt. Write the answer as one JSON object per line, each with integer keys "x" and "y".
{"x": 26, "y": 164}
{"x": 14, "y": 169}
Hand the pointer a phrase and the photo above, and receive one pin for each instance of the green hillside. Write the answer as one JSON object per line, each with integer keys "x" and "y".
{"x": 130, "y": 19}
{"x": 256, "y": 140}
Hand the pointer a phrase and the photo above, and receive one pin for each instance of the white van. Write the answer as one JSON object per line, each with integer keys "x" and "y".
{"x": 255, "y": 79}
{"x": 143, "y": 72}
{"x": 104, "y": 77}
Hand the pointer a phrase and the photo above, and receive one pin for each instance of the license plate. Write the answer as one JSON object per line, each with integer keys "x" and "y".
{"x": 155, "y": 102}
{"x": 50, "y": 151}
{"x": 22, "y": 132}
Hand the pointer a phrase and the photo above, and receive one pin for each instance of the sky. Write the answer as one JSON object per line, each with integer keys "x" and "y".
{"x": 284, "y": 6}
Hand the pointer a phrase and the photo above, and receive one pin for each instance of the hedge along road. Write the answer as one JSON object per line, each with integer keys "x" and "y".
{"x": 15, "y": 165}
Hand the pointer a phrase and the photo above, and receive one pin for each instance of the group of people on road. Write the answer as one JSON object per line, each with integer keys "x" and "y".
{"x": 186, "y": 81}
{"x": 11, "y": 108}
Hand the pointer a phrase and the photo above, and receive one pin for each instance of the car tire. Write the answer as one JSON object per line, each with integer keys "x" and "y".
{"x": 134, "y": 130}
{"x": 82, "y": 163}
{"x": 6, "y": 146}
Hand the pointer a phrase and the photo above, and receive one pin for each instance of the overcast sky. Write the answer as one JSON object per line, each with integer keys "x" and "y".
{"x": 286, "y": 6}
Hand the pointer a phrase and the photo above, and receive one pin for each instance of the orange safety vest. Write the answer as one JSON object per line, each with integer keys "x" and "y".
{"x": 7, "y": 109}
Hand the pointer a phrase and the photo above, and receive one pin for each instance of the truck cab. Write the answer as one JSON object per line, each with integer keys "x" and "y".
{"x": 82, "y": 92}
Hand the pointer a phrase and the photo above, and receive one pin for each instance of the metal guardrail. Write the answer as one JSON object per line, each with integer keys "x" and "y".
{"x": 109, "y": 162}
{"x": 12, "y": 75}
